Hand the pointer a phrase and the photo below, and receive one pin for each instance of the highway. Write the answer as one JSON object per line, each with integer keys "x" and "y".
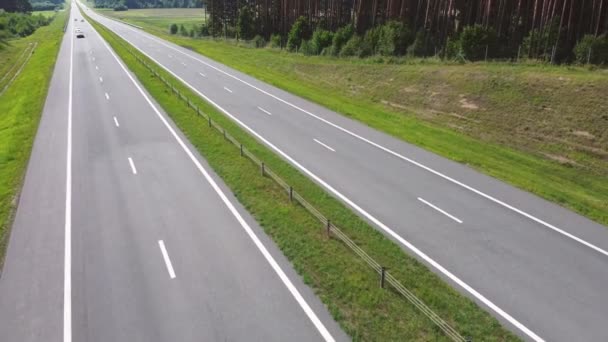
{"x": 540, "y": 269}
{"x": 124, "y": 233}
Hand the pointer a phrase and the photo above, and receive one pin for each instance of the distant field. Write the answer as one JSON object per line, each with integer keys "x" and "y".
{"x": 160, "y": 18}
{"x": 45, "y": 13}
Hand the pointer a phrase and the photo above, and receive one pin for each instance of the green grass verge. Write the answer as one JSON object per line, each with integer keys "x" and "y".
{"x": 343, "y": 282}
{"x": 542, "y": 129}
{"x": 20, "y": 109}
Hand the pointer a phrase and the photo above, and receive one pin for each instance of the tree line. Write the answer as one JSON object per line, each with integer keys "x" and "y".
{"x": 126, "y": 4}
{"x": 17, "y": 24}
{"x": 472, "y": 29}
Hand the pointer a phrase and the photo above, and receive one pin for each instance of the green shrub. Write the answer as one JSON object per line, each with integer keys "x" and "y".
{"x": 539, "y": 43}
{"x": 203, "y": 30}
{"x": 182, "y": 30}
{"x": 299, "y": 32}
{"x": 369, "y": 45}
{"x": 423, "y": 45}
{"x": 173, "y": 29}
{"x": 320, "y": 40}
{"x": 592, "y": 50}
{"x": 120, "y": 7}
{"x": 452, "y": 49}
{"x": 21, "y": 24}
{"x": 245, "y": 26}
{"x": 259, "y": 41}
{"x": 307, "y": 49}
{"x": 275, "y": 41}
{"x": 394, "y": 39}
{"x": 352, "y": 47}
{"x": 474, "y": 40}
{"x": 341, "y": 37}
{"x": 215, "y": 27}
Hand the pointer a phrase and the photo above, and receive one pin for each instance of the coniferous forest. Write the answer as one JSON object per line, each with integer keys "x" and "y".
{"x": 552, "y": 30}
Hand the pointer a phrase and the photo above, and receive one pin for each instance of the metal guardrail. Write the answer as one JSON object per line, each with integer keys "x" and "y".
{"x": 332, "y": 230}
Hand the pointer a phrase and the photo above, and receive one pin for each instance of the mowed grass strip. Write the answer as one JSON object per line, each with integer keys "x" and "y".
{"x": 343, "y": 282}
{"x": 542, "y": 129}
{"x": 20, "y": 109}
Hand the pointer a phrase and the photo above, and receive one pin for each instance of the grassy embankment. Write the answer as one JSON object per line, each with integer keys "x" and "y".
{"x": 20, "y": 109}
{"x": 543, "y": 129}
{"x": 343, "y": 282}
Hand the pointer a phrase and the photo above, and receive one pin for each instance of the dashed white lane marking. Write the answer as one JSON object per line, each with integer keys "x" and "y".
{"x": 116, "y": 122}
{"x": 264, "y": 110}
{"x": 200, "y": 73}
{"x": 228, "y": 90}
{"x": 100, "y": 79}
{"x": 324, "y": 145}
{"x": 107, "y": 96}
{"x": 440, "y": 210}
{"x": 133, "y": 169}
{"x": 163, "y": 250}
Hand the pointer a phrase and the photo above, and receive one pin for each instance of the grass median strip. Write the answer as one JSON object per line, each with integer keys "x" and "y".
{"x": 344, "y": 283}
{"x": 20, "y": 108}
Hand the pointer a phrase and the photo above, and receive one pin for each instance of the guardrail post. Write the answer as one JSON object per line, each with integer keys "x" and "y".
{"x": 209, "y": 121}
{"x": 327, "y": 227}
{"x": 224, "y": 133}
{"x": 263, "y": 169}
{"x": 382, "y": 276}
{"x": 241, "y": 148}
{"x": 290, "y": 194}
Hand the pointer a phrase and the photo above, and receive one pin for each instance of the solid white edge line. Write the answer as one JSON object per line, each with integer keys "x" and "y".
{"x": 440, "y": 210}
{"x": 264, "y": 110}
{"x": 324, "y": 145}
{"x": 228, "y": 90}
{"x": 67, "y": 257}
{"x": 133, "y": 169}
{"x": 116, "y": 122}
{"x": 163, "y": 251}
{"x": 389, "y": 151}
{"x": 275, "y": 266}
{"x": 200, "y": 73}
{"x": 107, "y": 96}
{"x": 374, "y": 220}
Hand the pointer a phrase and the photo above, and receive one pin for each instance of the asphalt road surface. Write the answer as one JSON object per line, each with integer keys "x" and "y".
{"x": 539, "y": 268}
{"x": 123, "y": 233}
